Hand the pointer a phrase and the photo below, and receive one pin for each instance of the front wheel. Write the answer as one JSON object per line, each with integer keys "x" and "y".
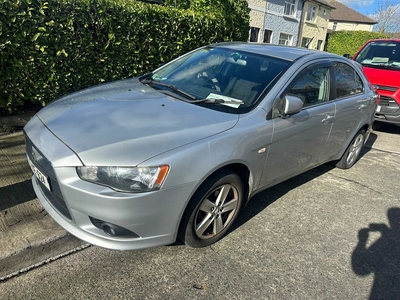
{"x": 212, "y": 210}
{"x": 352, "y": 153}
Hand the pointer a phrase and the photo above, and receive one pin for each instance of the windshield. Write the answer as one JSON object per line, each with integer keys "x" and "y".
{"x": 381, "y": 54}
{"x": 219, "y": 78}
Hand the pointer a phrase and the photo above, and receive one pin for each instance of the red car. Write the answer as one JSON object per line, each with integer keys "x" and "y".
{"x": 381, "y": 64}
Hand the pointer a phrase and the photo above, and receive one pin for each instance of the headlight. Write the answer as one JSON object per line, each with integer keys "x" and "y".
{"x": 126, "y": 179}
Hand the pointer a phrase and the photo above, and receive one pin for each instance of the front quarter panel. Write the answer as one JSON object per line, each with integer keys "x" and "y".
{"x": 247, "y": 144}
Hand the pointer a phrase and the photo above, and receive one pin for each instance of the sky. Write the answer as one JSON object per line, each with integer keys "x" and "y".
{"x": 367, "y": 7}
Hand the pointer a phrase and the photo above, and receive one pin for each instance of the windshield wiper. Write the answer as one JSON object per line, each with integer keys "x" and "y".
{"x": 170, "y": 86}
{"x": 395, "y": 64}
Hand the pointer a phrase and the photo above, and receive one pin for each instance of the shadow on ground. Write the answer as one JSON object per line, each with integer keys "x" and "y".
{"x": 265, "y": 198}
{"x": 386, "y": 127}
{"x": 16, "y": 194}
{"x": 382, "y": 258}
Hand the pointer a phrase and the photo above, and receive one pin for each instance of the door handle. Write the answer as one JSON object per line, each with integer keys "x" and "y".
{"x": 362, "y": 106}
{"x": 327, "y": 118}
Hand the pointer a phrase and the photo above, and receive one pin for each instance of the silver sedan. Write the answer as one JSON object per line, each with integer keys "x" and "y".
{"x": 177, "y": 153}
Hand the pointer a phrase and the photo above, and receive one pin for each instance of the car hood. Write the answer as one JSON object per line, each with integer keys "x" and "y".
{"x": 383, "y": 77}
{"x": 125, "y": 123}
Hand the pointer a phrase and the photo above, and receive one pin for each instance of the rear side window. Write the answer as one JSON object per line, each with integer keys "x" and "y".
{"x": 348, "y": 82}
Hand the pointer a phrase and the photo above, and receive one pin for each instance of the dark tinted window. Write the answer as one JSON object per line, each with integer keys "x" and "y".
{"x": 312, "y": 87}
{"x": 347, "y": 80}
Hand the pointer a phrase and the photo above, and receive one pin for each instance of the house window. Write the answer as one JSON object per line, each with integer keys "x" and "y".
{"x": 254, "y": 31}
{"x": 334, "y": 26}
{"x": 319, "y": 45}
{"x": 289, "y": 7}
{"x": 311, "y": 13}
{"x": 285, "y": 39}
{"x": 305, "y": 42}
{"x": 267, "y": 36}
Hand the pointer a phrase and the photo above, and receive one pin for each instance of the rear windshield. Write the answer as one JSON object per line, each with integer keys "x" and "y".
{"x": 380, "y": 54}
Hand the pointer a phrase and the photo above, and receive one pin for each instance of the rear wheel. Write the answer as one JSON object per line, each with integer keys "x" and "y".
{"x": 212, "y": 210}
{"x": 352, "y": 153}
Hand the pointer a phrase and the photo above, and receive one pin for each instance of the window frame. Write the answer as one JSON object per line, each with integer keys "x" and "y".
{"x": 258, "y": 34}
{"x": 307, "y": 40}
{"x": 291, "y": 6}
{"x": 319, "y": 44}
{"x": 311, "y": 12}
{"x": 270, "y": 36}
{"x": 307, "y": 71}
{"x": 312, "y": 66}
{"x": 335, "y": 81}
{"x": 290, "y": 40}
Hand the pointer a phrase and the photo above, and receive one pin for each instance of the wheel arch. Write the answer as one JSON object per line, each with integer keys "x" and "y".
{"x": 367, "y": 130}
{"x": 239, "y": 169}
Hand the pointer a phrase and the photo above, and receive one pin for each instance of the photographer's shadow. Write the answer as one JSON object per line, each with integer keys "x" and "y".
{"x": 382, "y": 258}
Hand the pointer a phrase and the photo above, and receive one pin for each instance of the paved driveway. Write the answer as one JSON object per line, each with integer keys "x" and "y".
{"x": 308, "y": 238}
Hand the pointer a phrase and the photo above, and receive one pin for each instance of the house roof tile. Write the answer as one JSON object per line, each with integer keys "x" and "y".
{"x": 344, "y": 13}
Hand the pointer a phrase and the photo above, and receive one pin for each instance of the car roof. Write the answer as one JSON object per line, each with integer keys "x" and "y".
{"x": 278, "y": 51}
{"x": 384, "y": 40}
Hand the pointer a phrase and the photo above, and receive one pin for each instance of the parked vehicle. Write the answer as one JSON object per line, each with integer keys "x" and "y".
{"x": 381, "y": 63}
{"x": 178, "y": 152}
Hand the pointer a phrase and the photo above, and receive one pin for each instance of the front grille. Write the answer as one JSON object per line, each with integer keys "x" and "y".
{"x": 387, "y": 101}
{"x": 57, "y": 202}
{"x": 54, "y": 195}
{"x": 386, "y": 88}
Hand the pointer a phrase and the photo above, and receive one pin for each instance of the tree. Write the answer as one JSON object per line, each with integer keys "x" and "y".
{"x": 388, "y": 17}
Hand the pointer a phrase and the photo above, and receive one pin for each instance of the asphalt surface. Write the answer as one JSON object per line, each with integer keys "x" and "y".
{"x": 302, "y": 239}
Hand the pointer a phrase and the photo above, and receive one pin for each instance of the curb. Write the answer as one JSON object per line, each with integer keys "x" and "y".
{"x": 29, "y": 237}
{"x": 42, "y": 253}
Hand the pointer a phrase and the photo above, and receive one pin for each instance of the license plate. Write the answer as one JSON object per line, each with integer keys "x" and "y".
{"x": 39, "y": 175}
{"x": 378, "y": 108}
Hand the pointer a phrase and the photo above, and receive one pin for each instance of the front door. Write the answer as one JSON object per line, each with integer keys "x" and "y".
{"x": 299, "y": 140}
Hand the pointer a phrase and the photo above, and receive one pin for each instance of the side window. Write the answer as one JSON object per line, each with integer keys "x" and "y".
{"x": 347, "y": 81}
{"x": 312, "y": 87}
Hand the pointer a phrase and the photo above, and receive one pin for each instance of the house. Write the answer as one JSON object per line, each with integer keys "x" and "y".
{"x": 275, "y": 21}
{"x": 257, "y": 16}
{"x": 314, "y": 24}
{"x": 290, "y": 22}
{"x": 345, "y": 18}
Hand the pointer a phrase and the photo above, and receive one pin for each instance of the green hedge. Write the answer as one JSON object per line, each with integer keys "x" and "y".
{"x": 48, "y": 49}
{"x": 349, "y": 42}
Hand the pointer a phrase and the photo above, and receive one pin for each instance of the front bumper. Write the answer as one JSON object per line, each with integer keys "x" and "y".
{"x": 151, "y": 218}
{"x": 388, "y": 109}
{"x": 88, "y": 210}
{"x": 394, "y": 119}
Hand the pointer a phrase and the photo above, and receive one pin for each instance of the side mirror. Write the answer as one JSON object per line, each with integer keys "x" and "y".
{"x": 347, "y": 55}
{"x": 292, "y": 105}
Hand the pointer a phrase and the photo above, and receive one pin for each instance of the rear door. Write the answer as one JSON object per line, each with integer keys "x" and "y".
{"x": 351, "y": 102}
{"x": 299, "y": 140}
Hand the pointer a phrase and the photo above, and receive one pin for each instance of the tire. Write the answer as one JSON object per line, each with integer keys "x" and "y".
{"x": 208, "y": 217}
{"x": 352, "y": 153}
